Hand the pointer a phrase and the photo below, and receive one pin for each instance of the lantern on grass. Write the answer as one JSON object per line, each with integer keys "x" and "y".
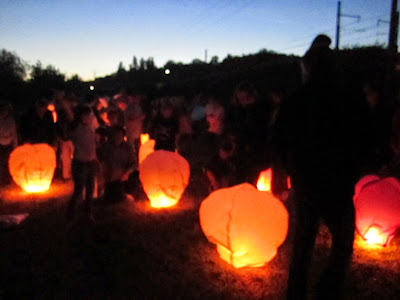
{"x": 146, "y": 146}
{"x": 247, "y": 225}
{"x": 32, "y": 167}
{"x": 377, "y": 205}
{"x": 164, "y": 176}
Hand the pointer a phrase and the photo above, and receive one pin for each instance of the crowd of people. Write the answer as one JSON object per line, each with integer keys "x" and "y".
{"x": 324, "y": 136}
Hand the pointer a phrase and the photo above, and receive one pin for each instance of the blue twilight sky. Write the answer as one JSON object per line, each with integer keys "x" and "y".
{"x": 91, "y": 37}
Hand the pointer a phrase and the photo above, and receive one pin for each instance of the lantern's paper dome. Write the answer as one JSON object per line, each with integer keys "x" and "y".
{"x": 164, "y": 176}
{"x": 146, "y": 148}
{"x": 32, "y": 167}
{"x": 377, "y": 205}
{"x": 247, "y": 225}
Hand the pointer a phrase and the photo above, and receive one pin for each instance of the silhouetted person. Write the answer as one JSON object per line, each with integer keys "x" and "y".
{"x": 37, "y": 125}
{"x": 378, "y": 120}
{"x": 8, "y": 140}
{"x": 317, "y": 141}
{"x": 247, "y": 121}
{"x": 118, "y": 164}
{"x": 84, "y": 162}
{"x": 164, "y": 127}
{"x": 321, "y": 40}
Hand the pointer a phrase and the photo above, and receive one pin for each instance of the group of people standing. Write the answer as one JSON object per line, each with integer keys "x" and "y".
{"x": 321, "y": 136}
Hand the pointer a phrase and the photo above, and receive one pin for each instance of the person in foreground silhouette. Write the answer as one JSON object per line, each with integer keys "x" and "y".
{"x": 315, "y": 134}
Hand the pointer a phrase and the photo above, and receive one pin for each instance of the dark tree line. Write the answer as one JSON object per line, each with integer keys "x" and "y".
{"x": 21, "y": 84}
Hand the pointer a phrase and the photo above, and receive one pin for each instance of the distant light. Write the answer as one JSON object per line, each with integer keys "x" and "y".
{"x": 167, "y": 71}
{"x": 91, "y": 87}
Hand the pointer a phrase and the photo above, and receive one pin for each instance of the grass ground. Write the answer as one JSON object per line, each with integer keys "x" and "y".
{"x": 135, "y": 252}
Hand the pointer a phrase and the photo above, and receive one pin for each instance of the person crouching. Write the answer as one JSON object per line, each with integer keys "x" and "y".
{"x": 118, "y": 158}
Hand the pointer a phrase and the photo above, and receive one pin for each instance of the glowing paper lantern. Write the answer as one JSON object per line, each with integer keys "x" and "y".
{"x": 32, "y": 167}
{"x": 144, "y": 137}
{"x": 264, "y": 181}
{"x": 146, "y": 146}
{"x": 164, "y": 176}
{"x": 247, "y": 225}
{"x": 377, "y": 204}
{"x": 53, "y": 111}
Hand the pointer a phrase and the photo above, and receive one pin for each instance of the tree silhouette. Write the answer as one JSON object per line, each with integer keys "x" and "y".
{"x": 121, "y": 68}
{"x": 44, "y": 80}
{"x": 134, "y": 65}
{"x": 12, "y": 75}
{"x": 143, "y": 64}
{"x": 214, "y": 60}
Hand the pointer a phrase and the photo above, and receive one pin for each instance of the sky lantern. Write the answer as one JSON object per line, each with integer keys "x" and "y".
{"x": 246, "y": 224}
{"x": 146, "y": 146}
{"x": 377, "y": 204}
{"x": 32, "y": 167}
{"x": 265, "y": 179}
{"x": 144, "y": 137}
{"x": 164, "y": 176}
{"x": 264, "y": 182}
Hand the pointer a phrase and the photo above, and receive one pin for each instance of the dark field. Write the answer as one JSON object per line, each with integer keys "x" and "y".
{"x": 135, "y": 252}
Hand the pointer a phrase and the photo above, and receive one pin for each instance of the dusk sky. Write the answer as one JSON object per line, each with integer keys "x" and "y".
{"x": 91, "y": 37}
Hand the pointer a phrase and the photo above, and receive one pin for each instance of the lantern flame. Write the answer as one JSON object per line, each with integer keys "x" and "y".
{"x": 374, "y": 236}
{"x": 237, "y": 259}
{"x": 36, "y": 188}
{"x": 264, "y": 181}
{"x": 160, "y": 201}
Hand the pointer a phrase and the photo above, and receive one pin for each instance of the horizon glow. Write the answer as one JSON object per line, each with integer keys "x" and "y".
{"x": 90, "y": 38}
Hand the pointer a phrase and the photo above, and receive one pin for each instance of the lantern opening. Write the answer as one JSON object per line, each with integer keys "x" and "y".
{"x": 374, "y": 236}
{"x": 161, "y": 200}
{"x": 264, "y": 181}
{"x": 237, "y": 259}
{"x": 36, "y": 188}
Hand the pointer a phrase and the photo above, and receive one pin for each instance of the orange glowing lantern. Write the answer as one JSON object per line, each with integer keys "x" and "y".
{"x": 144, "y": 137}
{"x": 265, "y": 179}
{"x": 377, "y": 204}
{"x": 32, "y": 167}
{"x": 264, "y": 182}
{"x": 146, "y": 146}
{"x": 247, "y": 225}
{"x": 164, "y": 176}
{"x": 52, "y": 109}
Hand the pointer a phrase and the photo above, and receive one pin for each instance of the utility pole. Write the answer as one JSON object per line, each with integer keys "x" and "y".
{"x": 338, "y": 17}
{"x": 394, "y": 25}
{"x": 339, "y": 13}
{"x": 205, "y": 56}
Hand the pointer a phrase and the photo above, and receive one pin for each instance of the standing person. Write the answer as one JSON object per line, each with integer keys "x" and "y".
{"x": 8, "y": 140}
{"x": 317, "y": 142}
{"x": 134, "y": 117}
{"x": 164, "y": 127}
{"x": 37, "y": 125}
{"x": 247, "y": 121}
{"x": 64, "y": 125}
{"x": 84, "y": 162}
